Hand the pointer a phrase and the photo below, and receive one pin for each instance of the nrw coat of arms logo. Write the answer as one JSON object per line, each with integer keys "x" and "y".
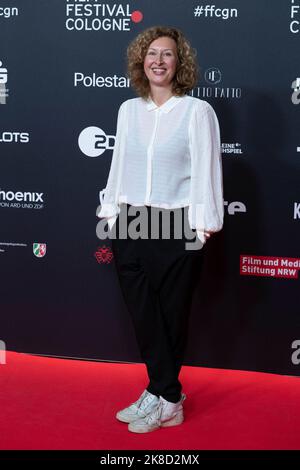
{"x": 39, "y": 249}
{"x": 104, "y": 254}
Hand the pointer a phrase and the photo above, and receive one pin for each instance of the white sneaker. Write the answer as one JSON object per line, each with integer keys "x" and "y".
{"x": 139, "y": 409}
{"x": 165, "y": 414}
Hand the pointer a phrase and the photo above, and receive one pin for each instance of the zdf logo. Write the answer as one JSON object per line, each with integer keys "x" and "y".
{"x": 2, "y": 352}
{"x": 296, "y": 91}
{"x": 296, "y": 354}
{"x": 93, "y": 141}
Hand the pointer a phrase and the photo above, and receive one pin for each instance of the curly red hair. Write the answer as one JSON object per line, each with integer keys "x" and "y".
{"x": 187, "y": 70}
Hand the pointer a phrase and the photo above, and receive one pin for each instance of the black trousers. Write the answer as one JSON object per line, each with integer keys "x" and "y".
{"x": 157, "y": 279}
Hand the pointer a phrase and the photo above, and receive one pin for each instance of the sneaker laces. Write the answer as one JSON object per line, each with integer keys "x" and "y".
{"x": 144, "y": 400}
{"x": 155, "y": 415}
{"x": 141, "y": 399}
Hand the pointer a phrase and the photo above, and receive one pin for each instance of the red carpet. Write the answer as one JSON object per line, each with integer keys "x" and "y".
{"x": 51, "y": 403}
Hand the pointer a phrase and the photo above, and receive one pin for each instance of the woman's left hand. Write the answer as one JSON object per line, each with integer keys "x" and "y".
{"x": 207, "y": 233}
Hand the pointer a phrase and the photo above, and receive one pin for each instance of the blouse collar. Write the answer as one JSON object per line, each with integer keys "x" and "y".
{"x": 167, "y": 106}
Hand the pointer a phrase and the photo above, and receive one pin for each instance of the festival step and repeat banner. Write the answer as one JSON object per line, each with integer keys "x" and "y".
{"x": 62, "y": 80}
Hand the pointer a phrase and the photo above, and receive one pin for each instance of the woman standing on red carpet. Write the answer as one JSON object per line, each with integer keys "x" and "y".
{"x": 166, "y": 162}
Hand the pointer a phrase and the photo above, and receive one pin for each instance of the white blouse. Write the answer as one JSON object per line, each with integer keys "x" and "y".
{"x": 167, "y": 156}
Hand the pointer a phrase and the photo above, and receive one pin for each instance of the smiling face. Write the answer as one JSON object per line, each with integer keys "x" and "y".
{"x": 160, "y": 61}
